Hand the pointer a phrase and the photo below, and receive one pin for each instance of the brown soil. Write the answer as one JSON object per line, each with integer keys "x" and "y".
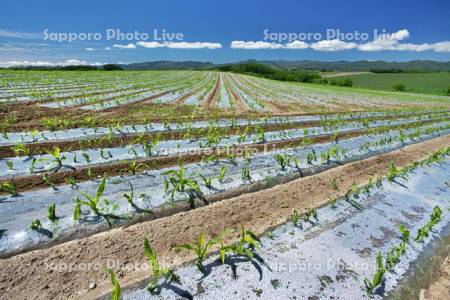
{"x": 210, "y": 102}
{"x": 34, "y": 181}
{"x": 241, "y": 105}
{"x": 440, "y": 288}
{"x": 278, "y": 107}
{"x": 182, "y": 99}
{"x": 28, "y": 116}
{"x": 27, "y": 276}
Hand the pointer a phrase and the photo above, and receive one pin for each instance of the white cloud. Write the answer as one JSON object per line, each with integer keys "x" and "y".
{"x": 401, "y": 34}
{"x": 180, "y": 45}
{"x": 89, "y": 49}
{"x": 26, "y": 63}
{"x": 192, "y": 45}
{"x": 48, "y": 63}
{"x": 382, "y": 42}
{"x": 325, "y": 45}
{"x": 397, "y": 36}
{"x": 333, "y": 45}
{"x": 149, "y": 44}
{"x": 107, "y": 48}
{"x": 129, "y": 46}
{"x": 296, "y": 45}
{"x": 441, "y": 46}
{"x": 254, "y": 45}
{"x": 387, "y": 41}
{"x": 413, "y": 47}
{"x": 391, "y": 42}
{"x": 379, "y": 45}
{"x": 19, "y": 35}
{"x": 393, "y": 45}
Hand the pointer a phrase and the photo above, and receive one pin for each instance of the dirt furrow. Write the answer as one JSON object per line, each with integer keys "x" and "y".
{"x": 210, "y": 102}
{"x": 241, "y": 105}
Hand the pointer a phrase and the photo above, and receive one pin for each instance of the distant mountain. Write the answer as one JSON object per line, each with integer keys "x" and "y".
{"x": 362, "y": 65}
{"x": 343, "y": 66}
{"x": 167, "y": 65}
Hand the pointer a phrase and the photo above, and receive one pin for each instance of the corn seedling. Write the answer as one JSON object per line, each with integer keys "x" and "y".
{"x": 86, "y": 157}
{"x": 58, "y": 159}
{"x": 51, "y": 213}
{"x": 405, "y": 233}
{"x": 130, "y": 196}
{"x": 157, "y": 272}
{"x": 282, "y": 160}
{"x": 332, "y": 203}
{"x": 245, "y": 175}
{"x": 353, "y": 191}
{"x": 10, "y": 165}
{"x": 207, "y": 181}
{"x": 260, "y": 136}
{"x": 20, "y": 149}
{"x": 247, "y": 155}
{"x": 311, "y": 157}
{"x": 36, "y": 225}
{"x": 149, "y": 147}
{"x": 368, "y": 186}
{"x": 295, "y": 218}
{"x": 179, "y": 181}
{"x": 48, "y": 182}
{"x": 116, "y": 291}
{"x": 325, "y": 157}
{"x": 393, "y": 172}
{"x": 134, "y": 167}
{"x": 394, "y": 254}
{"x": 89, "y": 172}
{"x": 10, "y": 188}
{"x": 166, "y": 185}
{"x": 334, "y": 185}
{"x": 92, "y": 202}
{"x": 102, "y": 154}
{"x": 379, "y": 182}
{"x": 200, "y": 248}
{"x": 232, "y": 159}
{"x": 71, "y": 180}
{"x": 435, "y": 217}
{"x": 211, "y": 159}
{"x": 422, "y": 233}
{"x": 223, "y": 172}
{"x": 378, "y": 277}
{"x": 246, "y": 244}
{"x": 131, "y": 150}
{"x": 33, "y": 164}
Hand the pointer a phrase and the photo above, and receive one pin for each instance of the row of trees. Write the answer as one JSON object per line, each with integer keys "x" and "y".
{"x": 269, "y": 72}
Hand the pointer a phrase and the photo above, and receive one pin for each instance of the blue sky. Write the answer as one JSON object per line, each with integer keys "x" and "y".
{"x": 224, "y": 31}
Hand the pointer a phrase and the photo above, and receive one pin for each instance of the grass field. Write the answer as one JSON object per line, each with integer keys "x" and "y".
{"x": 430, "y": 83}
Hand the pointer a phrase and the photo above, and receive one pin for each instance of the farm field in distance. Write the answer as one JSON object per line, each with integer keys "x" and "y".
{"x": 429, "y": 83}
{"x": 175, "y": 184}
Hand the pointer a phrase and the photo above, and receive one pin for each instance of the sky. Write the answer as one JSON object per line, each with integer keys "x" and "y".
{"x": 72, "y": 32}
